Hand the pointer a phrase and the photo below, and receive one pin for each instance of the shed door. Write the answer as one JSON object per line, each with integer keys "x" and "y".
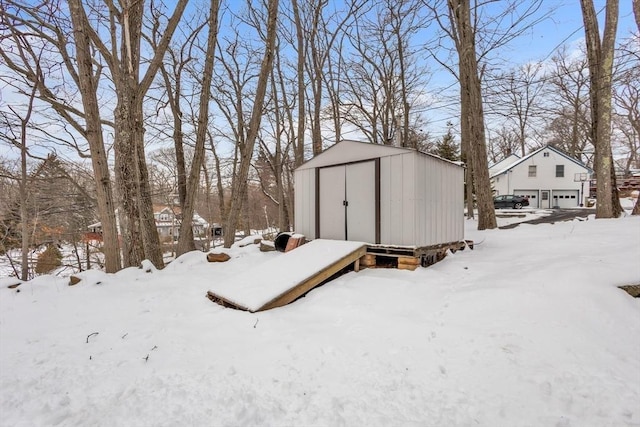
{"x": 332, "y": 196}
{"x": 361, "y": 199}
{"x": 347, "y": 202}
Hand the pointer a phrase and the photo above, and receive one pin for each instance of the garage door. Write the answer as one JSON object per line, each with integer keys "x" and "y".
{"x": 532, "y": 195}
{"x": 565, "y": 198}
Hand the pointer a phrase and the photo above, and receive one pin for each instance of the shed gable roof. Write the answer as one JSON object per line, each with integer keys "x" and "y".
{"x": 347, "y": 151}
{"x": 537, "y": 152}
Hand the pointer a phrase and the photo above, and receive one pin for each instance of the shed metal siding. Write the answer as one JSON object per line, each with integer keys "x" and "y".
{"x": 409, "y": 199}
{"x": 441, "y": 204}
{"x": 397, "y": 208}
{"x": 305, "y": 202}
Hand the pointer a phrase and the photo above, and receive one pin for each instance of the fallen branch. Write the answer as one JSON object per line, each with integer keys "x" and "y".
{"x": 90, "y": 335}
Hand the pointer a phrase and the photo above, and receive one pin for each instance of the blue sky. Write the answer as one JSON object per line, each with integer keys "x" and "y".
{"x": 565, "y": 27}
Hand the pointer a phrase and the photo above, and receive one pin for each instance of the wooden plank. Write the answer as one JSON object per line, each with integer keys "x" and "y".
{"x": 255, "y": 288}
{"x": 224, "y": 302}
{"x": 368, "y": 260}
{"x": 314, "y": 280}
{"x": 408, "y": 260}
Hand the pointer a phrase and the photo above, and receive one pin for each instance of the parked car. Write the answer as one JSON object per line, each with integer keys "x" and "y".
{"x": 510, "y": 201}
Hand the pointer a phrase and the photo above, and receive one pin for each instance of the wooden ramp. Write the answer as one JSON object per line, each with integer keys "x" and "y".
{"x": 287, "y": 276}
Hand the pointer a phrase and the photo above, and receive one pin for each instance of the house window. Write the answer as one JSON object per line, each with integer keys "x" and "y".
{"x": 532, "y": 171}
{"x": 559, "y": 171}
{"x": 546, "y": 154}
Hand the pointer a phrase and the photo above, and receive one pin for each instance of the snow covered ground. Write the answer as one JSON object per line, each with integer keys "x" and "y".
{"x": 528, "y": 329}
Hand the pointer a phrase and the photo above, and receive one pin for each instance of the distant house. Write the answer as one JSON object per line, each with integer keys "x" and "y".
{"x": 549, "y": 177}
{"x": 168, "y": 219}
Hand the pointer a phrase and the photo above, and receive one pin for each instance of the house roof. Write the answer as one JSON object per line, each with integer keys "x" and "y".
{"x": 161, "y": 208}
{"x": 353, "y": 151}
{"x": 532, "y": 154}
{"x": 507, "y": 161}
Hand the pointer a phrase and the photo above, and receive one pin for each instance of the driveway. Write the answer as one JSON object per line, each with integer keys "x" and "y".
{"x": 556, "y": 215}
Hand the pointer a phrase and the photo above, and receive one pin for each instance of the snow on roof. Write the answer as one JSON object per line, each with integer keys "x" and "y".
{"x": 509, "y": 160}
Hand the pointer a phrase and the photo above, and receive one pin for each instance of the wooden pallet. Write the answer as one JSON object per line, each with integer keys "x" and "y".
{"x": 408, "y": 257}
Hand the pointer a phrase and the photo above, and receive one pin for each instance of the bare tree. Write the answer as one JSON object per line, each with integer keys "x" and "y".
{"x": 471, "y": 99}
{"x": 19, "y": 139}
{"x": 274, "y": 169}
{"x": 503, "y": 142}
{"x": 46, "y": 27}
{"x": 514, "y": 96}
{"x": 239, "y": 188}
{"x": 475, "y": 34}
{"x": 381, "y": 94}
{"x": 626, "y": 96}
{"x": 600, "y": 54}
{"x": 569, "y": 125}
{"x": 175, "y": 71}
{"x": 300, "y": 46}
{"x": 122, "y": 54}
{"x": 185, "y": 240}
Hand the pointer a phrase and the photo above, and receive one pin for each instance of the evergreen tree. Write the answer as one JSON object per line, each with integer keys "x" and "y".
{"x": 446, "y": 147}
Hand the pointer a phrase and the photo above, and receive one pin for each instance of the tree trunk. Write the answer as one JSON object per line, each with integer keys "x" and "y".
{"x": 150, "y": 238}
{"x": 600, "y": 56}
{"x": 471, "y": 95}
{"x": 88, "y": 88}
{"x": 240, "y": 180}
{"x": 316, "y": 82}
{"x": 126, "y": 168}
{"x": 298, "y": 146}
{"x": 636, "y": 207}
{"x": 185, "y": 240}
{"x": 465, "y": 148}
{"x": 141, "y": 240}
{"x": 24, "y": 213}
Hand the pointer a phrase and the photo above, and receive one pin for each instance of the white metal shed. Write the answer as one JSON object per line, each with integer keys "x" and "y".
{"x": 380, "y": 194}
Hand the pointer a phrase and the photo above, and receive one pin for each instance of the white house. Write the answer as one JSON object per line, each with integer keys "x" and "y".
{"x": 547, "y": 176}
{"x": 168, "y": 220}
{"x": 380, "y": 194}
